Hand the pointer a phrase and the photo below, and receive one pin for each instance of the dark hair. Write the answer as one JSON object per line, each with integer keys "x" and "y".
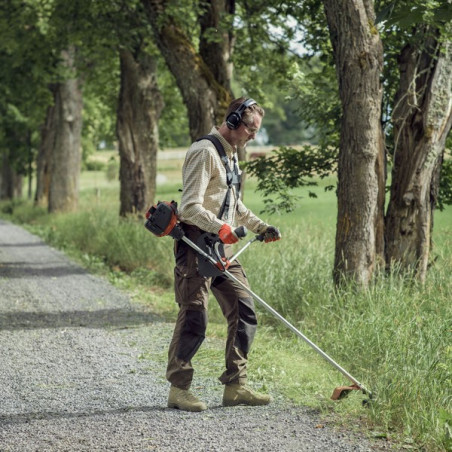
{"x": 249, "y": 112}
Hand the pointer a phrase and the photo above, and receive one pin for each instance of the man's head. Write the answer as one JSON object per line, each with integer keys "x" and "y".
{"x": 242, "y": 122}
{"x": 242, "y": 110}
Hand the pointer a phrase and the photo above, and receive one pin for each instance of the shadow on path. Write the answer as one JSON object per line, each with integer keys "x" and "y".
{"x": 101, "y": 318}
{"x": 24, "y": 418}
{"x": 26, "y": 269}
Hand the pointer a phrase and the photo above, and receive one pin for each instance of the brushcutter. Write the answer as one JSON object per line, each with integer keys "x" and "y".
{"x": 162, "y": 220}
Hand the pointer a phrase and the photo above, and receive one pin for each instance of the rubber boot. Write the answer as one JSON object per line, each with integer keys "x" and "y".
{"x": 236, "y": 394}
{"x": 183, "y": 399}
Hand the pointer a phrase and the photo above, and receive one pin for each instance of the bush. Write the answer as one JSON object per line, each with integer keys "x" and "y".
{"x": 94, "y": 165}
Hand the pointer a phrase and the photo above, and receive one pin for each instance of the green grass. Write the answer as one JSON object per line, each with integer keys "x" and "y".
{"x": 395, "y": 337}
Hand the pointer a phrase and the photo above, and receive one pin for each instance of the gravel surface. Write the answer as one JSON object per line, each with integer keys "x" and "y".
{"x": 73, "y": 377}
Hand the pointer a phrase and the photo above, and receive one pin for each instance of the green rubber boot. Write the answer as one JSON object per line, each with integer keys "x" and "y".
{"x": 236, "y": 394}
{"x": 183, "y": 399}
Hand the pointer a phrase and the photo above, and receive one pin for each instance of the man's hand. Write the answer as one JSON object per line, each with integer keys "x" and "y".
{"x": 227, "y": 235}
{"x": 271, "y": 234}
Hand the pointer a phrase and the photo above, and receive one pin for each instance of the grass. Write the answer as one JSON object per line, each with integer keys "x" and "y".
{"x": 395, "y": 337}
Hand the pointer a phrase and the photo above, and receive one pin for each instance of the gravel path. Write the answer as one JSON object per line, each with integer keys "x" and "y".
{"x": 72, "y": 377}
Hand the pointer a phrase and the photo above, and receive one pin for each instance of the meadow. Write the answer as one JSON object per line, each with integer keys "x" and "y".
{"x": 394, "y": 337}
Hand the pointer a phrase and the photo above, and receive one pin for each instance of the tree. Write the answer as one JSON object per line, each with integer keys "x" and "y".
{"x": 59, "y": 159}
{"x": 415, "y": 116}
{"x": 422, "y": 120}
{"x": 25, "y": 64}
{"x": 44, "y": 158}
{"x": 139, "y": 103}
{"x": 139, "y": 107}
{"x": 205, "y": 96}
{"x": 361, "y": 172}
{"x": 65, "y": 151}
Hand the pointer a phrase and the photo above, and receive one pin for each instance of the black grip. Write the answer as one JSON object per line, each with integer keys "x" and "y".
{"x": 241, "y": 231}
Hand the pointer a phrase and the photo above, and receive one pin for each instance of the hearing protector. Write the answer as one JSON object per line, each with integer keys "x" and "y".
{"x": 235, "y": 118}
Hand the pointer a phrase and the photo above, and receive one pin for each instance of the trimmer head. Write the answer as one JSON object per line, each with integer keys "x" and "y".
{"x": 342, "y": 391}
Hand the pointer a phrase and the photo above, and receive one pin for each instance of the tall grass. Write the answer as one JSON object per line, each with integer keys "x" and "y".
{"x": 122, "y": 244}
{"x": 395, "y": 337}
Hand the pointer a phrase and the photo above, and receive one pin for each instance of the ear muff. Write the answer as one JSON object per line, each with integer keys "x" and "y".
{"x": 235, "y": 118}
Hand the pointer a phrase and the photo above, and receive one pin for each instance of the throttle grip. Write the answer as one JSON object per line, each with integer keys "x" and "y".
{"x": 241, "y": 231}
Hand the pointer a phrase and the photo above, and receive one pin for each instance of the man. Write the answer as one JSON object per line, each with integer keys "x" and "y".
{"x": 210, "y": 203}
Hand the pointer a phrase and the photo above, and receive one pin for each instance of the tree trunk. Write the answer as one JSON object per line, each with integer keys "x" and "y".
{"x": 44, "y": 157}
{"x": 139, "y": 107}
{"x": 422, "y": 119}
{"x": 216, "y": 42}
{"x": 358, "y": 55}
{"x": 205, "y": 97}
{"x": 10, "y": 181}
{"x": 66, "y": 152}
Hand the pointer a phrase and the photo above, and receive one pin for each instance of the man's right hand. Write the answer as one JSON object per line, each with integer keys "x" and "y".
{"x": 271, "y": 234}
{"x": 227, "y": 235}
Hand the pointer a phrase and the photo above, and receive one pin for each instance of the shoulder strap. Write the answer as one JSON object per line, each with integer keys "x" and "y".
{"x": 222, "y": 153}
{"x": 232, "y": 176}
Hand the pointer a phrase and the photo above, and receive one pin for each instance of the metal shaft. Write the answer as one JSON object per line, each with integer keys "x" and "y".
{"x": 236, "y": 255}
{"x": 279, "y": 316}
{"x": 298, "y": 333}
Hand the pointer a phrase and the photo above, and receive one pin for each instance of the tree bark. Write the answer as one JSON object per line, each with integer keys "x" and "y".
{"x": 10, "y": 181}
{"x": 139, "y": 108}
{"x": 216, "y": 42}
{"x": 422, "y": 119}
{"x": 66, "y": 150}
{"x": 358, "y": 55}
{"x": 44, "y": 158}
{"x": 205, "y": 97}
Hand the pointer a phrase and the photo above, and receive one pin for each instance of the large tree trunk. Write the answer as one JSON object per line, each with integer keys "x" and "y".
{"x": 139, "y": 107}
{"x": 45, "y": 157}
{"x": 66, "y": 153}
{"x": 216, "y": 42}
{"x": 205, "y": 97}
{"x": 358, "y": 55}
{"x": 422, "y": 120}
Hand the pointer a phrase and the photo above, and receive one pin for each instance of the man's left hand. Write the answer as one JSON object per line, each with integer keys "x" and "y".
{"x": 271, "y": 234}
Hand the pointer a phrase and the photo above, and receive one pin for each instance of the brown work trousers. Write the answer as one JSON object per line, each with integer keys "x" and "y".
{"x": 192, "y": 290}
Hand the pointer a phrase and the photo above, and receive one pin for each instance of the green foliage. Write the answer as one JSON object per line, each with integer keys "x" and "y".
{"x": 445, "y": 184}
{"x": 310, "y": 80}
{"x": 314, "y": 89}
{"x": 309, "y": 111}
{"x": 288, "y": 168}
{"x": 407, "y": 14}
{"x": 27, "y": 68}
{"x": 173, "y": 123}
{"x": 262, "y": 54}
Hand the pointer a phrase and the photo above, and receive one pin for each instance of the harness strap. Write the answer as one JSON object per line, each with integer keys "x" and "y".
{"x": 233, "y": 178}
